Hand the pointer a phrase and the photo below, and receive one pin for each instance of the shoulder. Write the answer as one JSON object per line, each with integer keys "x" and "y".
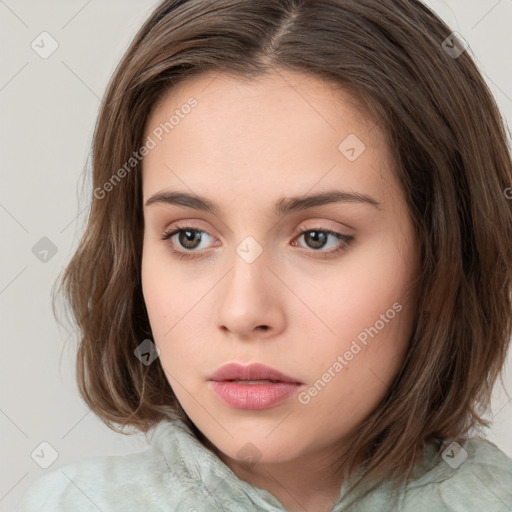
{"x": 96, "y": 483}
{"x": 474, "y": 476}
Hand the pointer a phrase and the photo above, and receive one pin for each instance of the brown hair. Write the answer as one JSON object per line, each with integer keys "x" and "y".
{"x": 450, "y": 154}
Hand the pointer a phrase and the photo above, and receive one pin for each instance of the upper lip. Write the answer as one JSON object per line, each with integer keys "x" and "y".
{"x": 255, "y": 371}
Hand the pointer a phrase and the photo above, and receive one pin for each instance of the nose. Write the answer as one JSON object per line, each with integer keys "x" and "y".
{"x": 251, "y": 300}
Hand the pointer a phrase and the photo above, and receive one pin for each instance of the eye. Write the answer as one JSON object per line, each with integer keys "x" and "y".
{"x": 317, "y": 238}
{"x": 190, "y": 239}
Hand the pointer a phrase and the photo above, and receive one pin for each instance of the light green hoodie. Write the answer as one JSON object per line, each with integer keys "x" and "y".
{"x": 177, "y": 473}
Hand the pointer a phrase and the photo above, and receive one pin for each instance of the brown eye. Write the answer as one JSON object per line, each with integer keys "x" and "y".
{"x": 187, "y": 240}
{"x": 317, "y": 239}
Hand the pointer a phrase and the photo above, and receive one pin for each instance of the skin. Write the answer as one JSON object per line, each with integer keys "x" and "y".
{"x": 244, "y": 146}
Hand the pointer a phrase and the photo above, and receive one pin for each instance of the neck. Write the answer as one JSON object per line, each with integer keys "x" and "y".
{"x": 302, "y": 484}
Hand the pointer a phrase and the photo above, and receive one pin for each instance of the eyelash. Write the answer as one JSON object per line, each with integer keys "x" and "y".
{"x": 346, "y": 239}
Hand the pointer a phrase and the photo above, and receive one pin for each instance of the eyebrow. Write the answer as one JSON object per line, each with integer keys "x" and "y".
{"x": 283, "y": 206}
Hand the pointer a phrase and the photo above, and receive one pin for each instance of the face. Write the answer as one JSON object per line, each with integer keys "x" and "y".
{"x": 322, "y": 290}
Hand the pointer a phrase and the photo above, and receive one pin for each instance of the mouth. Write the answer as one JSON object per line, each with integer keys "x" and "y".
{"x": 251, "y": 382}
{"x": 255, "y": 386}
{"x": 255, "y": 373}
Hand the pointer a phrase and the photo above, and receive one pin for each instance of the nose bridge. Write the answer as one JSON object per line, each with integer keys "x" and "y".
{"x": 247, "y": 298}
{"x": 254, "y": 240}
{"x": 249, "y": 238}
{"x": 248, "y": 277}
{"x": 250, "y": 250}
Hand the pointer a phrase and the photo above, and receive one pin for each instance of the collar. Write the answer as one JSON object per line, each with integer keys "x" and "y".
{"x": 195, "y": 469}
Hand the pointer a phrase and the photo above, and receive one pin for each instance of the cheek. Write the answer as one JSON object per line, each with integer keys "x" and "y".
{"x": 366, "y": 283}
{"x": 156, "y": 293}
{"x": 168, "y": 291}
{"x": 161, "y": 301}
{"x": 174, "y": 302}
{"x": 367, "y": 313}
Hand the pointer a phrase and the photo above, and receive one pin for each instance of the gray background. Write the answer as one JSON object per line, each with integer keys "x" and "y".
{"x": 48, "y": 110}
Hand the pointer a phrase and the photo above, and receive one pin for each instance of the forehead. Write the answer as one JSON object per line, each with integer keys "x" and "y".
{"x": 298, "y": 95}
{"x": 285, "y": 128}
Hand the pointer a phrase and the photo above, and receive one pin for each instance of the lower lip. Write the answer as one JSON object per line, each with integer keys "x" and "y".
{"x": 253, "y": 396}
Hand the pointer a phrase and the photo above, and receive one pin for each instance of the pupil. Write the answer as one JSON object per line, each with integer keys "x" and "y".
{"x": 187, "y": 238}
{"x": 316, "y": 237}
